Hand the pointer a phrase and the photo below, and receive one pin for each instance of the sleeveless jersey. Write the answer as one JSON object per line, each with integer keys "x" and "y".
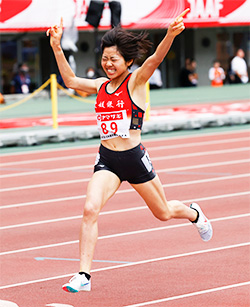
{"x": 116, "y": 113}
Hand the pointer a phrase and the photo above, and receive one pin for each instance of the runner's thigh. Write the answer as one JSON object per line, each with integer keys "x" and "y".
{"x": 101, "y": 187}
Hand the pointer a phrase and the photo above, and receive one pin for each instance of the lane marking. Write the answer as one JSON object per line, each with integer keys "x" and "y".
{"x": 46, "y": 201}
{"x": 43, "y": 160}
{"x": 196, "y": 166}
{"x": 55, "y": 170}
{"x": 83, "y": 156}
{"x": 70, "y": 198}
{"x": 135, "y": 232}
{"x": 69, "y": 259}
{"x": 203, "y": 153}
{"x": 56, "y": 183}
{"x": 58, "y": 305}
{"x": 150, "y": 140}
{"x": 7, "y": 304}
{"x": 200, "y": 173}
{"x": 19, "y": 169}
{"x": 172, "y": 298}
{"x": 189, "y": 155}
{"x": 127, "y": 191}
{"x": 82, "y": 196}
{"x": 199, "y": 252}
{"x": 203, "y": 143}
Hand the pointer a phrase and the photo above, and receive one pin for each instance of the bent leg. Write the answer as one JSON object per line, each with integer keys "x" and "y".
{"x": 153, "y": 194}
{"x": 98, "y": 193}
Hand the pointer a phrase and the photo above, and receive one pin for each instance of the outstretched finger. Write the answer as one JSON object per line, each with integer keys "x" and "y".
{"x": 183, "y": 13}
{"x": 61, "y": 23}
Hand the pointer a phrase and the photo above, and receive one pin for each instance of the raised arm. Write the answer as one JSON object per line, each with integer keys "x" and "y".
{"x": 146, "y": 70}
{"x": 69, "y": 78}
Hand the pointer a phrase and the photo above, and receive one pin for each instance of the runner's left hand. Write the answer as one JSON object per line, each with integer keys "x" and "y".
{"x": 177, "y": 26}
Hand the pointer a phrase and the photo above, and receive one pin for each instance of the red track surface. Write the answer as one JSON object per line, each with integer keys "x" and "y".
{"x": 140, "y": 261}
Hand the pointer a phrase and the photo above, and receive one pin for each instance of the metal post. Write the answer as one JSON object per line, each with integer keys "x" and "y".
{"x": 53, "y": 90}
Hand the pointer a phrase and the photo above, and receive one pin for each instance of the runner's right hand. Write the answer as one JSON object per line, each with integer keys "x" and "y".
{"x": 55, "y": 33}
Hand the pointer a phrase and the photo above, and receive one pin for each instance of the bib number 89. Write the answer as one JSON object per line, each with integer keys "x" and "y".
{"x": 113, "y": 128}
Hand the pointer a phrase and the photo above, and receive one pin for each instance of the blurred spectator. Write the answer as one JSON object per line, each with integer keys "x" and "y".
{"x": 91, "y": 73}
{"x": 193, "y": 76}
{"x": 2, "y": 101}
{"x": 216, "y": 74}
{"x": 230, "y": 77}
{"x": 239, "y": 67}
{"x": 155, "y": 80}
{"x": 188, "y": 75}
{"x": 21, "y": 81}
{"x": 184, "y": 81}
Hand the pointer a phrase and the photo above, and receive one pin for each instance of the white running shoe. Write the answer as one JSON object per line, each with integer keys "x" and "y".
{"x": 77, "y": 283}
{"x": 203, "y": 225}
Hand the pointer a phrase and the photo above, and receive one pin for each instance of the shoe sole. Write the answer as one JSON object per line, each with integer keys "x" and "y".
{"x": 69, "y": 289}
{"x": 72, "y": 290}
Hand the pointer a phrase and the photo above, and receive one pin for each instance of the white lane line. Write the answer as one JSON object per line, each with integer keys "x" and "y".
{"x": 204, "y": 143}
{"x": 43, "y": 160}
{"x": 43, "y": 185}
{"x": 56, "y": 183}
{"x": 77, "y": 197}
{"x": 165, "y": 147}
{"x": 51, "y": 150}
{"x": 70, "y": 198}
{"x": 46, "y": 201}
{"x": 204, "y": 153}
{"x": 73, "y": 168}
{"x": 168, "y": 157}
{"x": 122, "y": 234}
{"x": 54, "y": 170}
{"x": 222, "y": 248}
{"x": 4, "y": 303}
{"x": 134, "y": 208}
{"x": 150, "y": 140}
{"x": 191, "y": 294}
{"x": 197, "y": 166}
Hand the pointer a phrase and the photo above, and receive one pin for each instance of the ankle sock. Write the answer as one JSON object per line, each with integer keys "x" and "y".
{"x": 86, "y": 275}
{"x": 198, "y": 214}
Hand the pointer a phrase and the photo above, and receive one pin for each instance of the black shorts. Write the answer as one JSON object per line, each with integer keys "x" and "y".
{"x": 131, "y": 165}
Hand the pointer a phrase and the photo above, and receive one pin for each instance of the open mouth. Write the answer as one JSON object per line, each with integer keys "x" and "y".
{"x": 110, "y": 71}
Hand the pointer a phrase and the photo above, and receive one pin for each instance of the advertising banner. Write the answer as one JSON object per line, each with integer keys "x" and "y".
{"x": 38, "y": 15}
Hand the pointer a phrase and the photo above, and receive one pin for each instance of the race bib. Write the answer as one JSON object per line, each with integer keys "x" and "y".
{"x": 113, "y": 124}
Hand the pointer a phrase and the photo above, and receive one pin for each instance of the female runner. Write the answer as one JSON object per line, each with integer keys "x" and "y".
{"x": 119, "y": 107}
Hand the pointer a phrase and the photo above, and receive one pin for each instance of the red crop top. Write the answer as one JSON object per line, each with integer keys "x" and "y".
{"x": 116, "y": 113}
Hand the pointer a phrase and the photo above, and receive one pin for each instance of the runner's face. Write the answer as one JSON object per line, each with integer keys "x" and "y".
{"x": 113, "y": 62}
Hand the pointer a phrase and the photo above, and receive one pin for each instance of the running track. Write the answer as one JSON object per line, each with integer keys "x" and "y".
{"x": 139, "y": 261}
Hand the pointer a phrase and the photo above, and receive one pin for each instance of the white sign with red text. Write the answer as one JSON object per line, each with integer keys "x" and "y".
{"x": 37, "y": 15}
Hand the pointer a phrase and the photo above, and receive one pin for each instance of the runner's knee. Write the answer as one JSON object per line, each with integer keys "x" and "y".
{"x": 91, "y": 212}
{"x": 163, "y": 215}
{"x": 175, "y": 208}
{"x": 172, "y": 209}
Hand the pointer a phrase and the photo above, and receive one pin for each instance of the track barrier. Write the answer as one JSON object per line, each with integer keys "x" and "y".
{"x": 18, "y": 103}
{"x": 54, "y": 86}
{"x": 171, "y": 118}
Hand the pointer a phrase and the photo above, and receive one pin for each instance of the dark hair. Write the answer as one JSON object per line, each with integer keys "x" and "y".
{"x": 130, "y": 45}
